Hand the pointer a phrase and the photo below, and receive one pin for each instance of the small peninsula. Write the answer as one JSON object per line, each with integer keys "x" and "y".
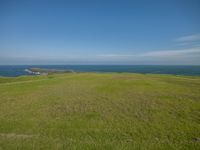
{"x": 44, "y": 71}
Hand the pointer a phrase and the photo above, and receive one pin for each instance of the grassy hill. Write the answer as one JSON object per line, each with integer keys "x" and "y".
{"x": 100, "y": 111}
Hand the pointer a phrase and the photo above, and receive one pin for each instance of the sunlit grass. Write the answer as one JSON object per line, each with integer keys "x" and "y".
{"x": 100, "y": 111}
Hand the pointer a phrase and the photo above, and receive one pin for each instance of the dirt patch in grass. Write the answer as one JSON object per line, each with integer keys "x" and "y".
{"x": 14, "y": 135}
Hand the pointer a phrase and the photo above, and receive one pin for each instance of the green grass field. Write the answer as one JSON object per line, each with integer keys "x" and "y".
{"x": 100, "y": 111}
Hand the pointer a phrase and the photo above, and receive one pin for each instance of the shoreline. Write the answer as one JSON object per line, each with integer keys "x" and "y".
{"x": 13, "y": 71}
{"x": 126, "y": 73}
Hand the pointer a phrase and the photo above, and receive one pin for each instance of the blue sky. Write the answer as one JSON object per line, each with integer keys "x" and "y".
{"x": 153, "y": 32}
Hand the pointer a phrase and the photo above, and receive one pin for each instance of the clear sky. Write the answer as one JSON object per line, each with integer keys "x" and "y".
{"x": 100, "y": 32}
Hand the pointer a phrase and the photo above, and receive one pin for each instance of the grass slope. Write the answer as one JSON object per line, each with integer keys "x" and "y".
{"x": 100, "y": 111}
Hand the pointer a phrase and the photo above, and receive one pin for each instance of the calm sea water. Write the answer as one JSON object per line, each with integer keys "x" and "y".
{"x": 13, "y": 71}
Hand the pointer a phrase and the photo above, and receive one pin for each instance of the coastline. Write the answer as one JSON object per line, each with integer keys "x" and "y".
{"x": 143, "y": 69}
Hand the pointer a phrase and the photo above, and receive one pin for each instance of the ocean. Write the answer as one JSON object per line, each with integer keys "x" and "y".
{"x": 18, "y": 70}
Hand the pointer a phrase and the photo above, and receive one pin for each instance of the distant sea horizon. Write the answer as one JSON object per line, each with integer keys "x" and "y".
{"x": 187, "y": 70}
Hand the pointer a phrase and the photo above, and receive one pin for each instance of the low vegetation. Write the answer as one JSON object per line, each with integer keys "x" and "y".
{"x": 116, "y": 111}
{"x": 47, "y": 71}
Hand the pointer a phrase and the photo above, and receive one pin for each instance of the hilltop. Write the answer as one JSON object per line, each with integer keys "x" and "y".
{"x": 99, "y": 111}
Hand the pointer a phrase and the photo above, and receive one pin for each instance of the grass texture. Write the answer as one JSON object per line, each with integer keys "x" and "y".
{"x": 118, "y": 111}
